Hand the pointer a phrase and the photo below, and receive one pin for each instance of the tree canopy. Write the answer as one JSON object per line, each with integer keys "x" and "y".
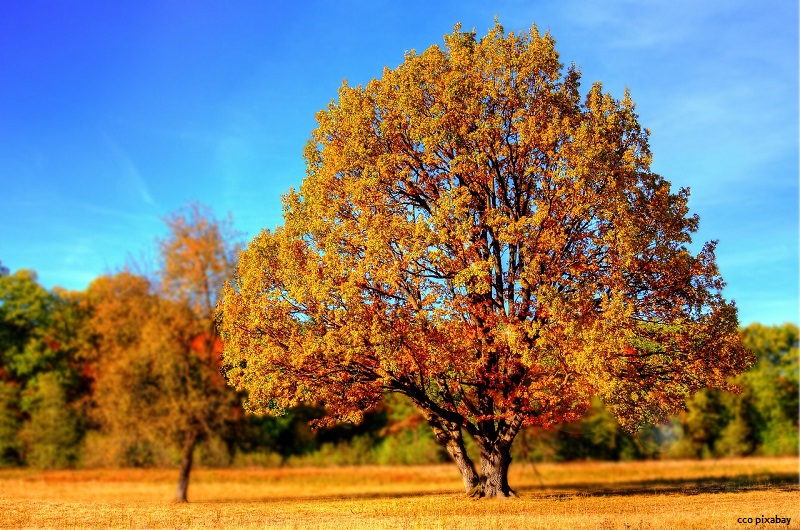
{"x": 475, "y": 234}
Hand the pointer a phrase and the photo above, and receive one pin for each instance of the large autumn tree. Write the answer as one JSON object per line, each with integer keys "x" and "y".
{"x": 474, "y": 234}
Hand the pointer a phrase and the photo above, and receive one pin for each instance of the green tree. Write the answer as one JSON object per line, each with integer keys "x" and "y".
{"x": 406, "y": 438}
{"x": 704, "y": 418}
{"x": 771, "y": 387}
{"x": 45, "y": 386}
{"x": 761, "y": 417}
{"x": 736, "y": 438}
{"x": 53, "y": 433}
{"x": 25, "y": 311}
{"x": 597, "y": 435}
{"x": 475, "y": 235}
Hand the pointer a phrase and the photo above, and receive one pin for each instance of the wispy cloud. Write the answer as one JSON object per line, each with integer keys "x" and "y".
{"x": 634, "y": 25}
{"x": 146, "y": 220}
{"x": 131, "y": 177}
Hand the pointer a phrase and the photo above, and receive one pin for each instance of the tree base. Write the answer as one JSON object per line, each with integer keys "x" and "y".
{"x": 481, "y": 492}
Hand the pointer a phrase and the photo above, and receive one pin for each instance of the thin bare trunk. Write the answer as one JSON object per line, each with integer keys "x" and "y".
{"x": 187, "y": 455}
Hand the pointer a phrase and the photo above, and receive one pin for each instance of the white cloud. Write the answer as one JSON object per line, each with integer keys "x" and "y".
{"x": 131, "y": 180}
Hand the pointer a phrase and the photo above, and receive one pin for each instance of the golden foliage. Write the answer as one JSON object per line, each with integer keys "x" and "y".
{"x": 156, "y": 349}
{"x": 474, "y": 234}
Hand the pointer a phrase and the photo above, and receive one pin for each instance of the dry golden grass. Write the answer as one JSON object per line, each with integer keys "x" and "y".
{"x": 640, "y": 495}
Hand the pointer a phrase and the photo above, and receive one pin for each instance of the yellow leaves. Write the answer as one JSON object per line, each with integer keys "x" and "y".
{"x": 468, "y": 224}
{"x": 197, "y": 256}
{"x": 476, "y": 278}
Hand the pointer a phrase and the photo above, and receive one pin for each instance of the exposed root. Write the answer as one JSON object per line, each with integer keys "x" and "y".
{"x": 478, "y": 492}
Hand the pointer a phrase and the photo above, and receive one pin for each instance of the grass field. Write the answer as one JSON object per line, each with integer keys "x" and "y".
{"x": 638, "y": 495}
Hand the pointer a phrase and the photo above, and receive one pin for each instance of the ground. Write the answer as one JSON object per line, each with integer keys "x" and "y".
{"x": 639, "y": 495}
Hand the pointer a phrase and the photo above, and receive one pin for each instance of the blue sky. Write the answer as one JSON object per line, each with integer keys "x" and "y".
{"x": 114, "y": 114}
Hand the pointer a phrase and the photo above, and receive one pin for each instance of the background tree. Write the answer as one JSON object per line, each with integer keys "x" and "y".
{"x": 52, "y": 433}
{"x": 406, "y": 439}
{"x": 25, "y": 310}
{"x": 10, "y": 423}
{"x": 772, "y": 387}
{"x": 43, "y": 387}
{"x": 197, "y": 258}
{"x": 23, "y": 307}
{"x": 158, "y": 350}
{"x": 472, "y": 235}
{"x": 762, "y": 418}
{"x": 127, "y": 392}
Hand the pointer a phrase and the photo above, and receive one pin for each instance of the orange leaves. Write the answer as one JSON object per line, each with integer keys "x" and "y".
{"x": 475, "y": 236}
{"x": 197, "y": 256}
{"x": 157, "y": 359}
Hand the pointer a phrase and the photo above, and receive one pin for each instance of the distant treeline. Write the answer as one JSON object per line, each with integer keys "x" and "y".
{"x": 62, "y": 402}
{"x": 127, "y": 373}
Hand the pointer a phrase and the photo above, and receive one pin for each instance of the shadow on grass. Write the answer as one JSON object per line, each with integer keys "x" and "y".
{"x": 695, "y": 486}
{"x": 366, "y": 496}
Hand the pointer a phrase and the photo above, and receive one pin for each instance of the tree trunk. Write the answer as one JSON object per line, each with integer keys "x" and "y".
{"x": 186, "y": 467}
{"x": 453, "y": 442}
{"x": 455, "y": 448}
{"x": 495, "y": 460}
{"x": 495, "y": 455}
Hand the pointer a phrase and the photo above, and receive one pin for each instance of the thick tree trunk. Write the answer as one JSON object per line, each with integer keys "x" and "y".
{"x": 186, "y": 467}
{"x": 495, "y": 447}
{"x": 495, "y": 460}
